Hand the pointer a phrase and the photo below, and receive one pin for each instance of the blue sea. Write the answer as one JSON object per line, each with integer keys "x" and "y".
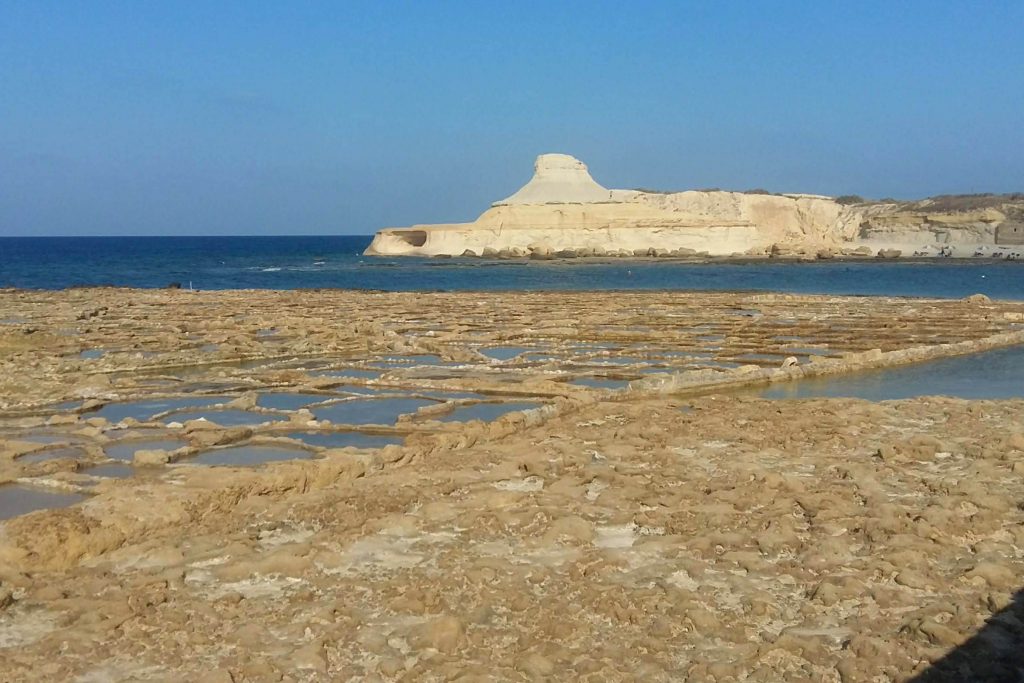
{"x": 337, "y": 262}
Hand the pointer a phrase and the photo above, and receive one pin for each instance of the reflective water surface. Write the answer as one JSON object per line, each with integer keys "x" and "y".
{"x": 989, "y": 375}
{"x": 16, "y": 499}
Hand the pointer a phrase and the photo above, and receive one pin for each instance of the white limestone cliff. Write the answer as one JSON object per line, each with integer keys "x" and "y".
{"x": 563, "y": 211}
{"x": 558, "y": 179}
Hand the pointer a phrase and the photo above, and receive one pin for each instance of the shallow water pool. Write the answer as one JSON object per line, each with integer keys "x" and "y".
{"x": 599, "y": 382}
{"x": 451, "y": 395}
{"x": 226, "y": 418}
{"x": 126, "y": 450}
{"x": 345, "y": 439}
{"x": 114, "y": 470}
{"x": 503, "y": 353}
{"x": 410, "y": 360}
{"x": 40, "y": 438}
{"x": 145, "y": 410}
{"x": 16, "y": 499}
{"x": 486, "y": 412}
{"x": 285, "y": 401}
{"x": 990, "y": 375}
{"x": 69, "y": 452}
{"x": 350, "y": 372}
{"x": 248, "y": 456}
{"x": 371, "y": 410}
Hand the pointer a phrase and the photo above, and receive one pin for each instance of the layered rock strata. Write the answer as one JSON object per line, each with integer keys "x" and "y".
{"x": 562, "y": 212}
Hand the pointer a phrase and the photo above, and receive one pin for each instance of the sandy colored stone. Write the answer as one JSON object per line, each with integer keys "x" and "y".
{"x": 562, "y": 212}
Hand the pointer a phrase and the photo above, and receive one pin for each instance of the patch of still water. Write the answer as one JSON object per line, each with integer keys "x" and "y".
{"x": 113, "y": 470}
{"x": 70, "y": 452}
{"x": 345, "y": 439}
{"x": 411, "y": 360}
{"x": 145, "y": 410}
{"x": 283, "y": 401}
{"x": 995, "y": 374}
{"x": 40, "y": 438}
{"x": 486, "y": 412}
{"x": 350, "y": 372}
{"x": 371, "y": 410}
{"x": 126, "y": 450}
{"x": 226, "y": 418}
{"x": 249, "y": 456}
{"x": 16, "y": 499}
{"x": 502, "y": 353}
{"x": 599, "y": 382}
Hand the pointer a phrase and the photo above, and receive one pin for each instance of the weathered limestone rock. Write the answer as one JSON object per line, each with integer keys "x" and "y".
{"x": 563, "y": 208}
{"x": 558, "y": 179}
{"x": 444, "y": 634}
{"x": 153, "y": 457}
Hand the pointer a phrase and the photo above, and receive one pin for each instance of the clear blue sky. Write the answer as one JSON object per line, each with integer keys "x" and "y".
{"x": 135, "y": 118}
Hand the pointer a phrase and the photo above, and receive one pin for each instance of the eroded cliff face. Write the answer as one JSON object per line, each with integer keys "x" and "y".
{"x": 563, "y": 211}
{"x": 979, "y": 220}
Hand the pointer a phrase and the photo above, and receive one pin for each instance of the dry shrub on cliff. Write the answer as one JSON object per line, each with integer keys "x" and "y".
{"x": 849, "y": 199}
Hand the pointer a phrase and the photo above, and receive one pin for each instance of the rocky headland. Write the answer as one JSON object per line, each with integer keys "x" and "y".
{"x": 562, "y": 212}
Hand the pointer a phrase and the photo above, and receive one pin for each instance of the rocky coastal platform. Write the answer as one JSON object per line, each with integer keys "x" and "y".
{"x": 613, "y": 504}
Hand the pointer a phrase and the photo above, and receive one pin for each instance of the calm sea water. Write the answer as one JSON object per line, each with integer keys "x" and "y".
{"x": 315, "y": 262}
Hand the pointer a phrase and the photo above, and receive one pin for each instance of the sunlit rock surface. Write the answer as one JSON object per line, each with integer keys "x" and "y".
{"x": 562, "y": 212}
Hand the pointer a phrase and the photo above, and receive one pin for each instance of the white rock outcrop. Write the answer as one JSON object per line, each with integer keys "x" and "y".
{"x": 562, "y": 211}
{"x": 558, "y": 179}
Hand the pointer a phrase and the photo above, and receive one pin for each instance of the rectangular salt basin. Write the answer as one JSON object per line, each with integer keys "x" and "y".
{"x": 50, "y": 454}
{"x": 371, "y": 410}
{"x": 63, "y": 406}
{"x": 285, "y": 401}
{"x": 345, "y": 439}
{"x": 358, "y": 389}
{"x": 404, "y": 361}
{"x": 248, "y": 456}
{"x": 226, "y": 418}
{"x": 486, "y": 412}
{"x": 995, "y": 374}
{"x": 16, "y": 499}
{"x": 112, "y": 470}
{"x": 126, "y": 450}
{"x": 599, "y": 382}
{"x": 543, "y": 358}
{"x": 145, "y": 410}
{"x": 619, "y": 360}
{"x": 350, "y": 372}
{"x": 40, "y": 438}
{"x": 505, "y": 352}
{"x": 451, "y": 395}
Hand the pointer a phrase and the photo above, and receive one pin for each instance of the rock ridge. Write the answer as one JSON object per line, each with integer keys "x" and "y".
{"x": 562, "y": 212}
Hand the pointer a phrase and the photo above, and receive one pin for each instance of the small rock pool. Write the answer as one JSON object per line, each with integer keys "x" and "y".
{"x": 16, "y": 499}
